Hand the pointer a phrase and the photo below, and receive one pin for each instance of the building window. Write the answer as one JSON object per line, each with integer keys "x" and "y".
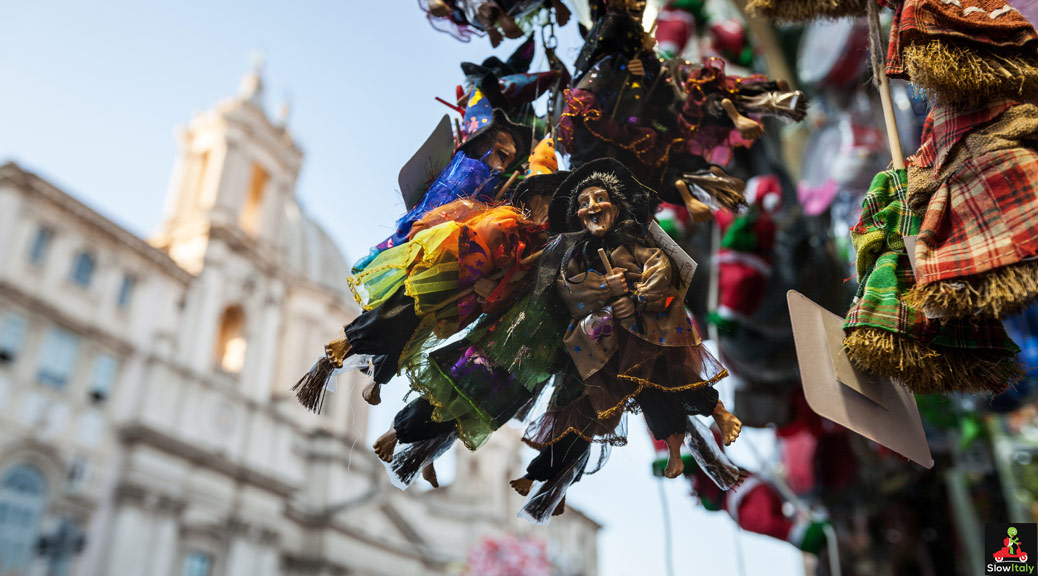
{"x": 40, "y": 244}
{"x": 83, "y": 269}
{"x": 197, "y": 563}
{"x": 252, "y": 212}
{"x": 102, "y": 376}
{"x": 57, "y": 359}
{"x": 12, "y": 334}
{"x": 23, "y": 498}
{"x": 231, "y": 343}
{"x": 125, "y": 291}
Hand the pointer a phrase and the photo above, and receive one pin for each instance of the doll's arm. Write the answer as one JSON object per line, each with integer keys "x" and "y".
{"x": 655, "y": 287}
{"x": 583, "y": 293}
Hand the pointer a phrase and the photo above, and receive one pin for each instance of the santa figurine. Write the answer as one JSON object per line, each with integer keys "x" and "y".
{"x": 745, "y": 256}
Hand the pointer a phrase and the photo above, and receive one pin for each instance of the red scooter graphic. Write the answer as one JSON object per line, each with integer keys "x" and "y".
{"x": 1003, "y": 554}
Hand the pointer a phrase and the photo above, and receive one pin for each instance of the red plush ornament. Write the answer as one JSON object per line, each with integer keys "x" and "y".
{"x": 755, "y": 505}
{"x": 744, "y": 260}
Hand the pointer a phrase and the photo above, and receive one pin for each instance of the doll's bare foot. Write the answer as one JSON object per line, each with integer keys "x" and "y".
{"x": 385, "y": 445}
{"x": 439, "y": 8}
{"x": 748, "y": 129}
{"x": 522, "y": 485}
{"x": 337, "y": 350}
{"x": 697, "y": 210}
{"x": 560, "y": 508}
{"x": 372, "y": 394}
{"x": 674, "y": 464}
{"x": 429, "y": 473}
{"x": 730, "y": 425}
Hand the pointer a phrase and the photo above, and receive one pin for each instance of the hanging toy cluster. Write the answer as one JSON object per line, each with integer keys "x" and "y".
{"x": 508, "y": 280}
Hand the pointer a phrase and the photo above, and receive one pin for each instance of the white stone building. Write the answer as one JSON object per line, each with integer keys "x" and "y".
{"x": 146, "y": 423}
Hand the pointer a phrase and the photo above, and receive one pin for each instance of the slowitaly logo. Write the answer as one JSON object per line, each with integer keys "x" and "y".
{"x": 1011, "y": 548}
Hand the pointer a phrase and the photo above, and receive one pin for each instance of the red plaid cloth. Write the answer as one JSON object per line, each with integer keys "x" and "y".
{"x": 984, "y": 216}
{"x": 946, "y": 125}
{"x": 991, "y": 22}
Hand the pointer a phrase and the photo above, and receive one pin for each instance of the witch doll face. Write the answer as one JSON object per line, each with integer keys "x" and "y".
{"x": 595, "y": 210}
{"x": 502, "y": 152}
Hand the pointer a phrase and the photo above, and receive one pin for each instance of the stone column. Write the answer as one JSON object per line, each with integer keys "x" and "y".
{"x": 253, "y": 550}
{"x": 144, "y": 537}
{"x": 131, "y": 534}
{"x": 165, "y": 536}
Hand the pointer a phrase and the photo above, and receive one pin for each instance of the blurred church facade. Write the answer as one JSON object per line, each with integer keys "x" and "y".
{"x": 146, "y": 422}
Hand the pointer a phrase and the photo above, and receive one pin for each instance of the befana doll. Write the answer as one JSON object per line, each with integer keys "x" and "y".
{"x": 461, "y": 261}
{"x": 630, "y": 343}
{"x": 470, "y": 387}
{"x": 494, "y": 145}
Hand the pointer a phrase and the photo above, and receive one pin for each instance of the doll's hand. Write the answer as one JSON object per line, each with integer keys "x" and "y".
{"x": 623, "y": 308}
{"x": 484, "y": 287}
{"x": 636, "y": 68}
{"x": 616, "y": 282}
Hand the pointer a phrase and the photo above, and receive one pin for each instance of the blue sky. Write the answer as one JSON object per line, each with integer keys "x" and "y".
{"x": 90, "y": 97}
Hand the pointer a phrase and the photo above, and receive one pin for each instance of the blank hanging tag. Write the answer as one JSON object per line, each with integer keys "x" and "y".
{"x": 876, "y": 408}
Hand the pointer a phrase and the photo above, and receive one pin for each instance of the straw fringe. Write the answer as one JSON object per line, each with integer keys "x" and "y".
{"x": 999, "y": 293}
{"x": 311, "y": 387}
{"x": 971, "y": 76}
{"x": 803, "y": 10}
{"x": 926, "y": 370}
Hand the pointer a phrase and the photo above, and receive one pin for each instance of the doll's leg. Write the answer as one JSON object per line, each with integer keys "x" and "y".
{"x": 666, "y": 419}
{"x": 730, "y": 425}
{"x": 383, "y": 332}
{"x": 385, "y": 445}
{"x": 372, "y": 393}
{"x": 414, "y": 423}
{"x": 557, "y": 466}
{"x": 700, "y": 212}
{"x": 411, "y": 424}
{"x": 748, "y": 128}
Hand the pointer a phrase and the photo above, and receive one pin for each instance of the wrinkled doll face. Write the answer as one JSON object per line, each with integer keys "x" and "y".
{"x": 595, "y": 210}
{"x": 502, "y": 152}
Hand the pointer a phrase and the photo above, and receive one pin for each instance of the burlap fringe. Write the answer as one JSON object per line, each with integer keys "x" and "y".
{"x": 804, "y": 10}
{"x": 971, "y": 76}
{"x": 926, "y": 370}
{"x": 921, "y": 188}
{"x": 999, "y": 293}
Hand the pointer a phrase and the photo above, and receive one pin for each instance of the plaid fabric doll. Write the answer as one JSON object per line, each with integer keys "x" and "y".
{"x": 964, "y": 52}
{"x": 888, "y": 337}
{"x": 975, "y": 181}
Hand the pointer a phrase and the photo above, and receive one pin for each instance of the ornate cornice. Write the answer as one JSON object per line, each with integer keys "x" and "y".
{"x": 135, "y": 494}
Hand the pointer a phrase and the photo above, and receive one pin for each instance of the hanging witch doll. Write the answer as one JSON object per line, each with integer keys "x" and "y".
{"x": 631, "y": 345}
{"x": 469, "y": 388}
{"x": 476, "y": 170}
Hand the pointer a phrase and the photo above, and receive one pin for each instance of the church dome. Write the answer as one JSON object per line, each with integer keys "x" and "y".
{"x": 311, "y": 253}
